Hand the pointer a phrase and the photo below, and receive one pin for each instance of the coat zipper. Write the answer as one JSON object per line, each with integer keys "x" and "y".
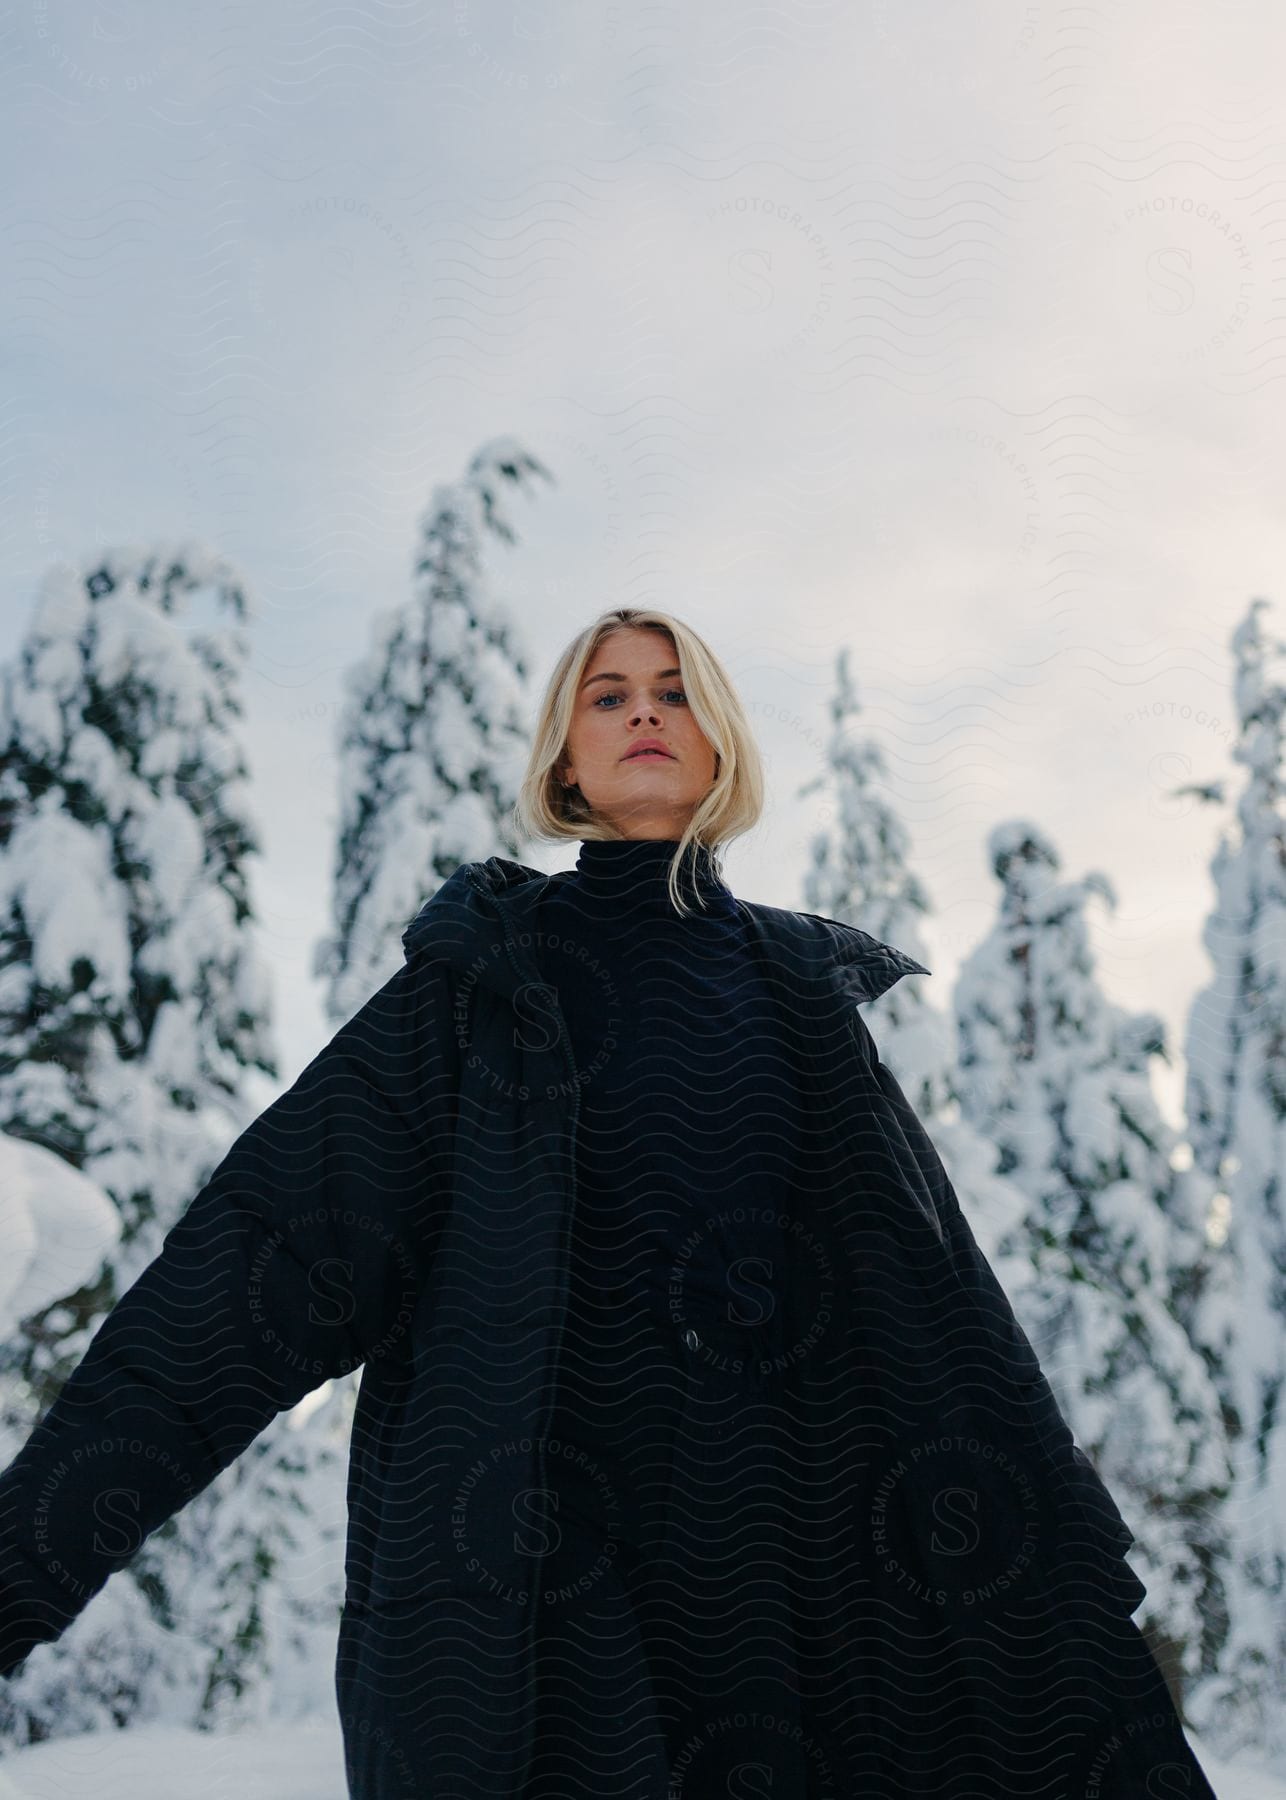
{"x": 564, "y": 1038}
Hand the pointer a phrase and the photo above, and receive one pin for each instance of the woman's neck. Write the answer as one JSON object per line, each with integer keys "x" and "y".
{"x": 630, "y": 876}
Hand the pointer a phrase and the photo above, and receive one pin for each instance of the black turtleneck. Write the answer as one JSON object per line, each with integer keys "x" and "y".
{"x": 618, "y": 881}
{"x": 690, "y": 1117}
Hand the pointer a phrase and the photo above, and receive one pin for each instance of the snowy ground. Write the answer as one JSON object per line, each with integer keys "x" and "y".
{"x": 157, "y": 1762}
{"x": 294, "y": 1762}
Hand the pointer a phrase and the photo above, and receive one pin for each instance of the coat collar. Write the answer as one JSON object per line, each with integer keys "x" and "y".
{"x": 459, "y": 924}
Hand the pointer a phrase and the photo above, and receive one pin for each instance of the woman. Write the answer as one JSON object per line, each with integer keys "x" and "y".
{"x": 890, "y": 1649}
{"x": 698, "y": 1451}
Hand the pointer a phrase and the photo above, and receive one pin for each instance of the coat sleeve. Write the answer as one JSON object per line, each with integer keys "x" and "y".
{"x": 1078, "y": 1478}
{"x": 299, "y": 1259}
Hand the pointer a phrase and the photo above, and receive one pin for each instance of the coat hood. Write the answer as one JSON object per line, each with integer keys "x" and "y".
{"x": 473, "y": 900}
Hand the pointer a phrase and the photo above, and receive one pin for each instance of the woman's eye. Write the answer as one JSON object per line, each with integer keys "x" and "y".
{"x": 610, "y": 695}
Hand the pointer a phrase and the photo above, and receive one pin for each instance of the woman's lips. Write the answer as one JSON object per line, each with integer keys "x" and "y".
{"x": 644, "y": 755}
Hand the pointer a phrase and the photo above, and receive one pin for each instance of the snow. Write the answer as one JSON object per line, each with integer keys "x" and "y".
{"x": 51, "y": 864}
{"x": 56, "y": 1226}
{"x": 304, "y": 1762}
{"x": 164, "y": 1762}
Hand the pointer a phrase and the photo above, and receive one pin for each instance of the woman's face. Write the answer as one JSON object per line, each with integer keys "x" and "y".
{"x": 631, "y": 694}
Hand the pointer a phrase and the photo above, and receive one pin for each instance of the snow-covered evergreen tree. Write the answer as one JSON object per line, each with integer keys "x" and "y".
{"x": 858, "y": 872}
{"x": 132, "y": 1010}
{"x": 131, "y": 1003}
{"x": 1236, "y": 1100}
{"x": 1155, "y": 1208}
{"x": 434, "y": 737}
{"x": 1057, "y": 1076}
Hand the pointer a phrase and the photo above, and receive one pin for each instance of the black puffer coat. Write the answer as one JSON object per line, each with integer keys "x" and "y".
{"x": 406, "y": 1206}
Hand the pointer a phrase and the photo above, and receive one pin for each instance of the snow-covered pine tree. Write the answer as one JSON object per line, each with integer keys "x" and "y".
{"x": 1058, "y": 1077}
{"x": 131, "y": 1004}
{"x": 434, "y": 739}
{"x": 133, "y": 1010}
{"x": 858, "y": 872}
{"x": 1236, "y": 1102}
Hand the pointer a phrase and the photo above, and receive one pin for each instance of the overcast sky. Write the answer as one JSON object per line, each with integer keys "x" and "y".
{"x": 955, "y": 339}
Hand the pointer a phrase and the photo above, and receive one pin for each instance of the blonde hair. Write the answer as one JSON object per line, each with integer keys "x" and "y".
{"x": 545, "y": 808}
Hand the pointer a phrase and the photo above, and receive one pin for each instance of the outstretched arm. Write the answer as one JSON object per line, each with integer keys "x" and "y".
{"x": 299, "y": 1259}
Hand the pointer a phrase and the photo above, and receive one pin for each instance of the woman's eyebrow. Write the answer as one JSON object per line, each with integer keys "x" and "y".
{"x": 661, "y": 675}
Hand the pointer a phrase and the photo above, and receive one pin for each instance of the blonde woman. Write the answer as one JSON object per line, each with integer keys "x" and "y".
{"x": 698, "y": 1450}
